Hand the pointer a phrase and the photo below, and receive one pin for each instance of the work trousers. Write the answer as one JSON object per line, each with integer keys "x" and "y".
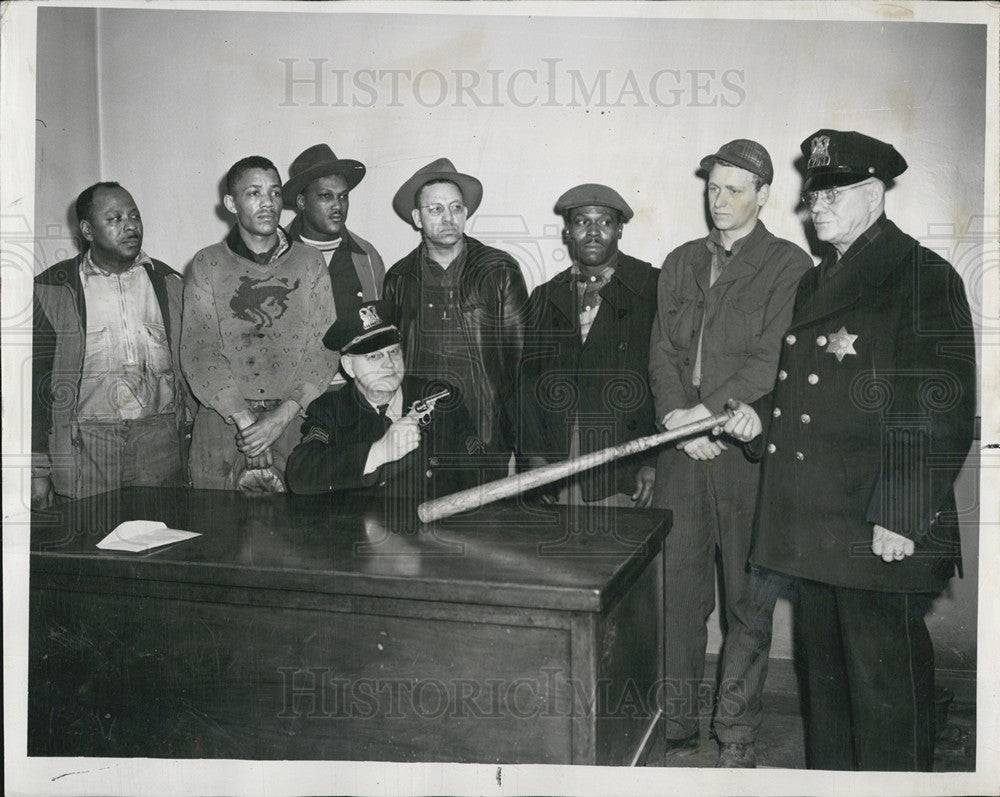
{"x": 214, "y": 453}
{"x": 140, "y": 453}
{"x": 745, "y": 657}
{"x": 870, "y": 678}
{"x": 713, "y": 506}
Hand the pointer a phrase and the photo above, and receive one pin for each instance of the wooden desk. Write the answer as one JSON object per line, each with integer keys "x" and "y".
{"x": 303, "y": 628}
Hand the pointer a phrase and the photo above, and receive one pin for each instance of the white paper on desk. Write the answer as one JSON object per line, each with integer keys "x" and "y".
{"x": 137, "y": 536}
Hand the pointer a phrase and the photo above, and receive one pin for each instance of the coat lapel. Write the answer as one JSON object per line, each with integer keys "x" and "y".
{"x": 561, "y": 296}
{"x": 871, "y": 265}
{"x": 829, "y": 297}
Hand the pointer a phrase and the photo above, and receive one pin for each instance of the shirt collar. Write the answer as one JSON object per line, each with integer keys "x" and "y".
{"x": 238, "y": 247}
{"x": 427, "y": 260}
{"x": 603, "y": 276}
{"x": 395, "y": 410}
{"x": 714, "y": 242}
{"x": 88, "y": 268}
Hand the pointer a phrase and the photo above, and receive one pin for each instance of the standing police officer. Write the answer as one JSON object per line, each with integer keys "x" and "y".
{"x": 868, "y": 424}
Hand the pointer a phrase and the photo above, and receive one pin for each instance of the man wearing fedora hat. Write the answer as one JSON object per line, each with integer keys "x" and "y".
{"x": 865, "y": 430}
{"x": 378, "y": 435}
{"x": 318, "y": 187}
{"x": 588, "y": 330}
{"x": 460, "y": 306}
{"x": 723, "y": 303}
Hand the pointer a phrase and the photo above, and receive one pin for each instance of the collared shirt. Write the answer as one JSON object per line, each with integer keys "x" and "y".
{"x": 236, "y": 243}
{"x": 443, "y": 352}
{"x": 127, "y": 370}
{"x": 588, "y": 294}
{"x": 720, "y": 259}
{"x": 439, "y": 311}
{"x": 446, "y": 276}
{"x": 394, "y": 411}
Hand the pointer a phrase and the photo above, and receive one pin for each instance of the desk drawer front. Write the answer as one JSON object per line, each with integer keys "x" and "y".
{"x": 127, "y": 675}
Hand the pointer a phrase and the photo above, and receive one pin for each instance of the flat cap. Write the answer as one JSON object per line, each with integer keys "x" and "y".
{"x": 365, "y": 329}
{"x": 743, "y": 154}
{"x": 842, "y": 158}
{"x": 593, "y": 194}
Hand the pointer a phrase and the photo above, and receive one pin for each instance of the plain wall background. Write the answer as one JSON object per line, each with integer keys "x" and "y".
{"x": 166, "y": 101}
{"x": 68, "y": 128}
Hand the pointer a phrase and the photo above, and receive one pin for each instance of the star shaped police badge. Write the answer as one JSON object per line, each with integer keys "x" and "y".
{"x": 841, "y": 344}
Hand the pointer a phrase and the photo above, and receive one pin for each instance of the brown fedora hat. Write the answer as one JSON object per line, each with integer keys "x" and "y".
{"x": 318, "y": 161}
{"x": 441, "y": 169}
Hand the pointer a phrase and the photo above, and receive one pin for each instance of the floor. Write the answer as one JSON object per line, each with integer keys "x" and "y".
{"x": 781, "y": 742}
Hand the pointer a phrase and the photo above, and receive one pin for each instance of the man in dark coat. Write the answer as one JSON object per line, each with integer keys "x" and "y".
{"x": 319, "y": 186}
{"x": 384, "y": 433}
{"x": 868, "y": 424}
{"x": 723, "y": 304}
{"x": 584, "y": 373}
{"x": 460, "y": 306}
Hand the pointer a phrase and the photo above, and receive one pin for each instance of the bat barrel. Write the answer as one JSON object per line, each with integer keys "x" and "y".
{"x": 497, "y": 490}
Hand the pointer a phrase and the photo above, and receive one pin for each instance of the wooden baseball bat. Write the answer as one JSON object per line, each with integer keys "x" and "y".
{"x": 475, "y": 497}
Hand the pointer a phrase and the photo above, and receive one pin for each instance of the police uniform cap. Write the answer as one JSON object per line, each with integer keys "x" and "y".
{"x": 365, "y": 329}
{"x": 836, "y": 158}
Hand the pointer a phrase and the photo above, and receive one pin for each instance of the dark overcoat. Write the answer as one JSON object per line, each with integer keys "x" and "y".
{"x": 870, "y": 419}
{"x": 603, "y": 383}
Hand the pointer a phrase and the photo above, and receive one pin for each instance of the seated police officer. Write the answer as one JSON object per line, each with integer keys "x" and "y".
{"x": 384, "y": 431}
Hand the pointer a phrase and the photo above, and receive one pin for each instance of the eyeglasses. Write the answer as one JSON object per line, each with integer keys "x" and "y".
{"x": 435, "y": 211}
{"x": 828, "y": 195}
{"x": 394, "y": 352}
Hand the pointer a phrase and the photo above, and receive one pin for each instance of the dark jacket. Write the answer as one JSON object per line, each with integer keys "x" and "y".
{"x": 367, "y": 261}
{"x": 602, "y": 383}
{"x": 59, "y": 337}
{"x": 339, "y": 431}
{"x": 878, "y": 435}
{"x": 745, "y": 313}
{"x": 492, "y": 298}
